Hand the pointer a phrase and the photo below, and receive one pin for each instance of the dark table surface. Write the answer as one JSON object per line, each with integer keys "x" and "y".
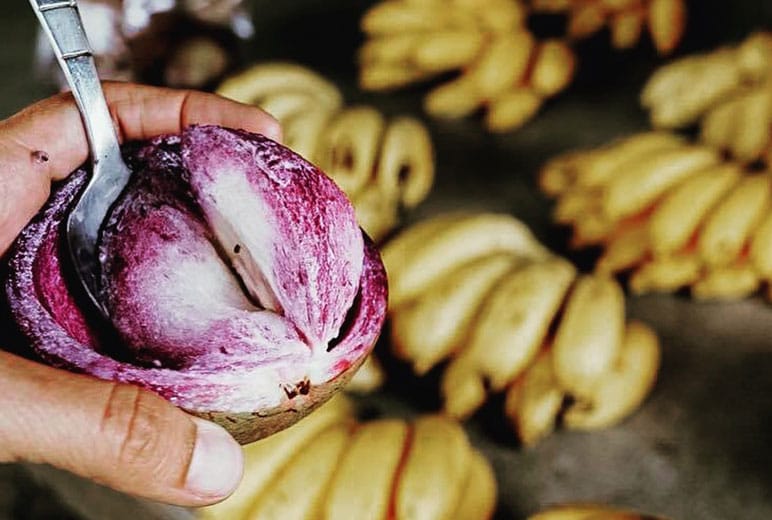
{"x": 700, "y": 446}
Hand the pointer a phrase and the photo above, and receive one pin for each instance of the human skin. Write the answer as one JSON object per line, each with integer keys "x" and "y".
{"x": 118, "y": 435}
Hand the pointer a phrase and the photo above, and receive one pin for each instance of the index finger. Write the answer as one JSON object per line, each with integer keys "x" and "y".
{"x": 46, "y": 141}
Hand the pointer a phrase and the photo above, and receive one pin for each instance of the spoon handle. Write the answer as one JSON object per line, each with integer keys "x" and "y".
{"x": 62, "y": 23}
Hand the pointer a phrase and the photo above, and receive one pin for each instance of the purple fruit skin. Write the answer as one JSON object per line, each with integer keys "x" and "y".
{"x": 209, "y": 349}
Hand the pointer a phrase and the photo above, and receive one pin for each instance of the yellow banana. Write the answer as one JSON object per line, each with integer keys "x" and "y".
{"x": 362, "y": 484}
{"x": 393, "y": 17}
{"x": 754, "y": 56}
{"x": 430, "y": 329}
{"x": 302, "y": 132}
{"x": 455, "y": 99}
{"x": 376, "y": 212}
{"x": 575, "y": 204}
{"x": 589, "y": 337}
{"x": 558, "y": 175}
{"x": 553, "y": 68}
{"x": 593, "y": 228}
{"x": 588, "y": 512}
{"x": 390, "y": 48}
{"x": 515, "y": 319}
{"x": 628, "y": 247}
{"x": 666, "y": 274}
{"x": 406, "y": 167}
{"x": 283, "y": 105}
{"x": 670, "y": 93}
{"x": 666, "y": 23}
{"x": 731, "y": 224}
{"x": 642, "y": 183}
{"x": 730, "y": 283}
{"x": 388, "y": 76}
{"x": 447, "y": 50}
{"x": 462, "y": 388}
{"x": 626, "y": 28}
{"x": 512, "y": 109}
{"x": 298, "y": 490}
{"x": 502, "y": 64}
{"x": 753, "y": 129}
{"x": 350, "y": 147}
{"x": 262, "y": 80}
{"x": 263, "y": 459}
{"x": 434, "y": 473}
{"x": 411, "y": 270}
{"x": 534, "y": 401}
{"x": 761, "y": 247}
{"x": 368, "y": 378}
{"x": 600, "y": 166}
{"x": 624, "y": 387}
{"x": 680, "y": 213}
{"x": 478, "y": 498}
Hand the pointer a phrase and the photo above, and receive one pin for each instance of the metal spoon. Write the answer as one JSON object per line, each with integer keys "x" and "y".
{"x": 63, "y": 25}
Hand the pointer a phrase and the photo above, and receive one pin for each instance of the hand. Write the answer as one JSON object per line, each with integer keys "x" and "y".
{"x": 115, "y": 434}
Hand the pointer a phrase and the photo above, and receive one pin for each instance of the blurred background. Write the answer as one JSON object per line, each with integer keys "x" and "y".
{"x": 700, "y": 447}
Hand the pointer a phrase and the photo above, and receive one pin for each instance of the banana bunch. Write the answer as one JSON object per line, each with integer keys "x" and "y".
{"x": 728, "y": 91}
{"x": 501, "y": 66}
{"x": 675, "y": 214}
{"x": 625, "y": 19}
{"x": 383, "y": 165}
{"x": 479, "y": 290}
{"x": 330, "y": 466}
{"x": 589, "y": 512}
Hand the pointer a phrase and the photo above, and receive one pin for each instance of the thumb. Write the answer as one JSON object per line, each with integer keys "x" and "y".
{"x": 116, "y": 434}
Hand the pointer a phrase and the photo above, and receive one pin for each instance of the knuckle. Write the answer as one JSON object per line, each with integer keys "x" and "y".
{"x": 135, "y": 419}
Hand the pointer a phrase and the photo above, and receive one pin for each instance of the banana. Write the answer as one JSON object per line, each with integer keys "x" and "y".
{"x": 589, "y": 337}
{"x": 593, "y": 228}
{"x": 259, "y": 81}
{"x": 755, "y": 56}
{"x": 411, "y": 270}
{"x": 729, "y": 227}
{"x": 381, "y": 76}
{"x": 263, "y": 459}
{"x": 575, "y": 204}
{"x": 362, "y": 484}
{"x": 628, "y": 247}
{"x": 558, "y": 175}
{"x": 666, "y": 23}
{"x": 369, "y": 377}
{"x": 588, "y": 512}
{"x": 478, "y": 498}
{"x": 666, "y": 274}
{"x": 728, "y": 283}
{"x": 512, "y": 109}
{"x": 598, "y": 167}
{"x": 283, "y": 105}
{"x": 393, "y": 17}
{"x": 641, "y": 184}
{"x": 303, "y": 132}
{"x": 436, "y": 324}
{"x": 761, "y": 247}
{"x": 405, "y": 170}
{"x": 502, "y": 64}
{"x": 433, "y": 475}
{"x": 375, "y": 211}
{"x": 445, "y": 50}
{"x": 553, "y": 68}
{"x": 626, "y": 28}
{"x": 463, "y": 390}
{"x": 753, "y": 133}
{"x": 391, "y": 48}
{"x": 534, "y": 401}
{"x": 455, "y": 99}
{"x": 515, "y": 319}
{"x": 350, "y": 147}
{"x": 624, "y": 387}
{"x": 671, "y": 96}
{"x": 298, "y": 490}
{"x": 681, "y": 211}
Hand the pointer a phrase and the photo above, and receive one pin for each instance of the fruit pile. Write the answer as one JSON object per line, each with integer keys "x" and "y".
{"x": 625, "y": 20}
{"x": 480, "y": 290}
{"x": 503, "y": 68}
{"x": 672, "y": 213}
{"x": 331, "y": 466}
{"x": 384, "y": 166}
{"x": 728, "y": 91}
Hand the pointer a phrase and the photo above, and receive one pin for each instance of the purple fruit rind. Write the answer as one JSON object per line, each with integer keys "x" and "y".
{"x": 248, "y": 357}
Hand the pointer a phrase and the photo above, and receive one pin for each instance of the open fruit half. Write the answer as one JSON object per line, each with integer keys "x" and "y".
{"x": 236, "y": 278}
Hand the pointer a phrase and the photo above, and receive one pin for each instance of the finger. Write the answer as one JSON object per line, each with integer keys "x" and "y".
{"x": 46, "y": 141}
{"x": 116, "y": 434}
